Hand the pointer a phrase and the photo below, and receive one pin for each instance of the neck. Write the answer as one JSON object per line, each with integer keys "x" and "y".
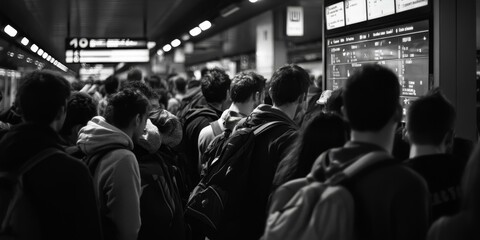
{"x": 421, "y": 150}
{"x": 289, "y": 109}
{"x": 244, "y": 108}
{"x": 216, "y": 105}
{"x": 382, "y": 138}
{"x": 128, "y": 131}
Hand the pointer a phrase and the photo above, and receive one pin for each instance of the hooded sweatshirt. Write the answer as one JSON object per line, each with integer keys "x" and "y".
{"x": 249, "y": 220}
{"x": 116, "y": 179}
{"x": 60, "y": 187}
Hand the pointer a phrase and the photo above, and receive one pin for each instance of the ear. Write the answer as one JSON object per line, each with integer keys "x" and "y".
{"x": 138, "y": 119}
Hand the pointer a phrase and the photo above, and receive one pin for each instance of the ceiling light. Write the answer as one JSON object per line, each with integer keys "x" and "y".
{"x": 185, "y": 37}
{"x": 167, "y": 48}
{"x": 25, "y": 41}
{"x": 34, "y": 48}
{"x": 160, "y": 52}
{"x": 45, "y": 55}
{"x": 151, "y": 45}
{"x": 40, "y": 52}
{"x": 232, "y": 8}
{"x": 253, "y": 1}
{"x": 195, "y": 31}
{"x": 176, "y": 43}
{"x": 12, "y": 32}
{"x": 49, "y": 58}
{"x": 205, "y": 25}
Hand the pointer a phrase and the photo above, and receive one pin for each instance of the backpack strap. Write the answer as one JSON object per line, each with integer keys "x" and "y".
{"x": 92, "y": 161}
{"x": 265, "y": 127}
{"x": 27, "y": 166}
{"x": 363, "y": 163}
{"x": 217, "y": 130}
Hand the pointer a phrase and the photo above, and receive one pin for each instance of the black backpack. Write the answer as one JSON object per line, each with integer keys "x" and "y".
{"x": 17, "y": 214}
{"x": 225, "y": 179}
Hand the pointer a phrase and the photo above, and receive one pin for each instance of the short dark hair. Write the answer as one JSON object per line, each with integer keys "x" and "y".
{"x": 180, "y": 84}
{"x": 124, "y": 106}
{"x": 81, "y": 107}
{"x": 134, "y": 75}
{"x": 371, "y": 97}
{"x": 215, "y": 84}
{"x": 142, "y": 87}
{"x": 288, "y": 83}
{"x": 244, "y": 85}
{"x": 111, "y": 85}
{"x": 429, "y": 118}
{"x": 41, "y": 95}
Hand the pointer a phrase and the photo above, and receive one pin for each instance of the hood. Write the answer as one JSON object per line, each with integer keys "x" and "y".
{"x": 230, "y": 118}
{"x": 150, "y": 139}
{"x": 266, "y": 113}
{"x": 98, "y": 134}
{"x": 23, "y": 141}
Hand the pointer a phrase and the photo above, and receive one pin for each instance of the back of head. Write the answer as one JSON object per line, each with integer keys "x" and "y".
{"x": 287, "y": 84}
{"x": 430, "y": 118}
{"x": 180, "y": 84}
{"x": 134, "y": 75}
{"x": 111, "y": 85}
{"x": 124, "y": 106}
{"x": 371, "y": 98}
{"x": 244, "y": 85}
{"x": 335, "y": 102}
{"x": 215, "y": 84}
{"x": 142, "y": 87}
{"x": 41, "y": 95}
{"x": 80, "y": 109}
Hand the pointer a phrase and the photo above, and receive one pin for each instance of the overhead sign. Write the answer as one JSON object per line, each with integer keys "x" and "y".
{"x": 106, "y": 50}
{"x": 294, "y": 21}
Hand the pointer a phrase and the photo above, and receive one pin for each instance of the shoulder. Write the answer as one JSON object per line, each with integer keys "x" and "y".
{"x": 205, "y": 134}
{"x": 455, "y": 227}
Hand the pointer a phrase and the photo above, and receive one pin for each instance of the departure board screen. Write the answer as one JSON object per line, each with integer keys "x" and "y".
{"x": 335, "y": 16}
{"x": 355, "y": 11}
{"x": 380, "y": 8}
{"x": 403, "y": 48}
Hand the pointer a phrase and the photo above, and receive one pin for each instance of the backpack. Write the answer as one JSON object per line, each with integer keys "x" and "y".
{"x": 224, "y": 182}
{"x": 17, "y": 214}
{"x": 187, "y": 103}
{"x": 307, "y": 209}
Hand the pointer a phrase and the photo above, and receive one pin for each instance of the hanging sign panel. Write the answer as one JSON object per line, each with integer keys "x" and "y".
{"x": 106, "y": 50}
{"x": 294, "y": 21}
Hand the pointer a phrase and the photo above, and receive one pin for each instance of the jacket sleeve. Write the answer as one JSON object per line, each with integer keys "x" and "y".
{"x": 123, "y": 197}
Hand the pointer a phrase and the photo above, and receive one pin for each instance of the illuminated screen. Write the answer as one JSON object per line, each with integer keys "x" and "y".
{"x": 380, "y": 8}
{"x": 335, "y": 16}
{"x": 403, "y": 48}
{"x": 355, "y": 11}
{"x": 404, "y": 5}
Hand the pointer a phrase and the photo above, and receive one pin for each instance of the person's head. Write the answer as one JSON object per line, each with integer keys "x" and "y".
{"x": 431, "y": 120}
{"x": 135, "y": 75}
{"x": 371, "y": 98}
{"x": 289, "y": 84}
{"x": 180, "y": 85}
{"x": 162, "y": 98}
{"x": 215, "y": 84}
{"x": 169, "y": 127}
{"x": 147, "y": 91}
{"x": 80, "y": 109}
{"x": 42, "y": 98}
{"x": 128, "y": 111}
{"x": 335, "y": 102}
{"x": 247, "y": 86}
{"x": 111, "y": 85}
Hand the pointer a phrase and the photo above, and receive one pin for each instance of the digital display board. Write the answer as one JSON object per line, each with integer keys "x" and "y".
{"x": 380, "y": 8}
{"x": 355, "y": 11}
{"x": 106, "y": 50}
{"x": 403, "y": 48}
{"x": 404, "y": 5}
{"x": 335, "y": 16}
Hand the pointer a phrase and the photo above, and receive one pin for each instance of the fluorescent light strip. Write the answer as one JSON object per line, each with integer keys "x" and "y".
{"x": 205, "y": 25}
{"x": 195, "y": 31}
{"x": 25, "y": 41}
{"x": 167, "y": 48}
{"x": 34, "y": 48}
{"x": 12, "y": 32}
{"x": 176, "y": 43}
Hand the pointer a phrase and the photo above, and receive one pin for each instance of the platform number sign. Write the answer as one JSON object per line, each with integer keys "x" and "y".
{"x": 294, "y": 21}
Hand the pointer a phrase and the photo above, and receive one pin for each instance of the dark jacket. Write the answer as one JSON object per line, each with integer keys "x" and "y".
{"x": 60, "y": 187}
{"x": 269, "y": 148}
{"x": 391, "y": 200}
{"x": 443, "y": 174}
{"x": 196, "y": 120}
{"x": 161, "y": 207}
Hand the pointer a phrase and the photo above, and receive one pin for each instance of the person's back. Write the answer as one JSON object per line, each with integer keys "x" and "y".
{"x": 116, "y": 175}
{"x": 60, "y": 187}
{"x": 288, "y": 89}
{"x": 430, "y": 127}
{"x": 390, "y": 199}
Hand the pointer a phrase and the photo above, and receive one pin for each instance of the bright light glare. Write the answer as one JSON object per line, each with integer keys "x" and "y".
{"x": 176, "y": 43}
{"x": 205, "y": 25}
{"x": 160, "y": 52}
{"x": 253, "y": 1}
{"x": 195, "y": 31}
{"x": 25, "y": 41}
{"x": 34, "y": 48}
{"x": 40, "y": 52}
{"x": 185, "y": 37}
{"x": 12, "y": 32}
{"x": 45, "y": 55}
{"x": 151, "y": 45}
{"x": 167, "y": 48}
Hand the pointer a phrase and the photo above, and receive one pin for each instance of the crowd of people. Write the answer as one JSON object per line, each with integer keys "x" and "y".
{"x": 128, "y": 159}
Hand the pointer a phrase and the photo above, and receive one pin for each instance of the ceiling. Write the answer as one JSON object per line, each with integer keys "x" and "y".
{"x": 49, "y": 22}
